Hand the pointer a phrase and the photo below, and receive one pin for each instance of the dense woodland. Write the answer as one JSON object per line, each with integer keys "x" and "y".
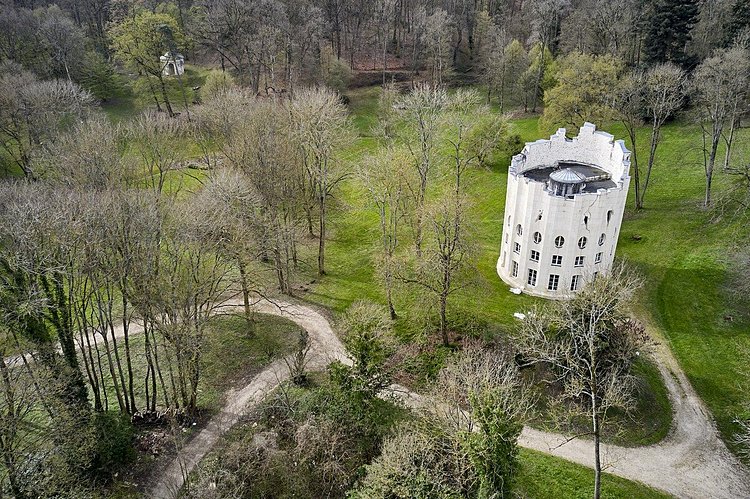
{"x": 334, "y": 152}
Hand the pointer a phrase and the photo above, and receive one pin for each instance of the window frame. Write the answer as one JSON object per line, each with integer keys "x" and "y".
{"x": 575, "y": 282}
{"x": 531, "y": 278}
{"x": 553, "y": 283}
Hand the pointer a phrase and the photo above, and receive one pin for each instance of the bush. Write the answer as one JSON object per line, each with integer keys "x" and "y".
{"x": 114, "y": 443}
{"x": 217, "y": 82}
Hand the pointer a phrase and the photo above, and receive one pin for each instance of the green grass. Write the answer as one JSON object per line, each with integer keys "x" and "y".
{"x": 487, "y": 305}
{"x": 545, "y": 477}
{"x": 647, "y": 423}
{"x": 137, "y": 97}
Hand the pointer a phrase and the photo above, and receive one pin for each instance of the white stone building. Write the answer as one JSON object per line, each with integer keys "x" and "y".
{"x": 172, "y": 64}
{"x": 563, "y": 212}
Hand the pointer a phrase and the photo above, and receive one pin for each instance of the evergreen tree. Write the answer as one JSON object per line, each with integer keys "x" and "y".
{"x": 737, "y": 22}
{"x": 668, "y": 32}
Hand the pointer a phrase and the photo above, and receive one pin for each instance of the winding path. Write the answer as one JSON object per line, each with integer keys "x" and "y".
{"x": 692, "y": 462}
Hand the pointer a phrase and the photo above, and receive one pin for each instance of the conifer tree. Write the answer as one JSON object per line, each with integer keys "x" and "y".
{"x": 668, "y": 33}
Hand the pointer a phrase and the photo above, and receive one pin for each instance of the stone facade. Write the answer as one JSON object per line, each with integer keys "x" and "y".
{"x": 563, "y": 212}
{"x": 172, "y": 64}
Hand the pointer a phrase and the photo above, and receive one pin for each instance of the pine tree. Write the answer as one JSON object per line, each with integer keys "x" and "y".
{"x": 668, "y": 32}
{"x": 737, "y": 22}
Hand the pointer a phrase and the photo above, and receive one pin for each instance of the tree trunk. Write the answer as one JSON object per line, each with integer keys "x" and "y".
{"x": 153, "y": 93}
{"x": 245, "y": 291}
{"x": 729, "y": 140}
{"x": 128, "y": 358}
{"x": 538, "y": 82}
{"x": 10, "y": 429}
{"x": 710, "y": 168}
{"x": 444, "y": 319}
{"x": 655, "y": 133}
{"x": 165, "y": 97}
{"x": 322, "y": 235}
{"x": 634, "y": 165}
{"x": 597, "y": 456}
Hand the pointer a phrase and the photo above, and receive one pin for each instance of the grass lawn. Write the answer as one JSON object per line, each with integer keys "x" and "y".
{"x": 484, "y": 309}
{"x": 136, "y": 96}
{"x": 544, "y": 477}
{"x": 681, "y": 252}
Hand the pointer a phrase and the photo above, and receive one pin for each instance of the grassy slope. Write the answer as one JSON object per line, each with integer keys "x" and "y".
{"x": 544, "y": 477}
{"x": 351, "y": 277}
{"x": 679, "y": 250}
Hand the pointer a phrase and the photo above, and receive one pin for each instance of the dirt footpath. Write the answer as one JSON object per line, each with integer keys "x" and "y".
{"x": 692, "y": 462}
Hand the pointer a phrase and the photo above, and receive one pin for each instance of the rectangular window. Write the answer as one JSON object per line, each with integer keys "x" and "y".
{"x": 579, "y": 261}
{"x": 598, "y": 258}
{"x": 554, "y": 280}
{"x": 517, "y": 248}
{"x": 534, "y": 256}
{"x": 556, "y": 260}
{"x": 532, "y": 277}
{"x": 596, "y": 274}
{"x": 575, "y": 282}
{"x": 514, "y": 268}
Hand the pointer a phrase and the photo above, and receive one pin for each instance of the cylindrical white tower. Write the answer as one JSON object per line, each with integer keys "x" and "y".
{"x": 563, "y": 212}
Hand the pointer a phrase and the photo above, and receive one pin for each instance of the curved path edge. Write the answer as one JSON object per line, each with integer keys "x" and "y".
{"x": 691, "y": 462}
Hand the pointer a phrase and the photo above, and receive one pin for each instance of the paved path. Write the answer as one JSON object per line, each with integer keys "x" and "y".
{"x": 692, "y": 462}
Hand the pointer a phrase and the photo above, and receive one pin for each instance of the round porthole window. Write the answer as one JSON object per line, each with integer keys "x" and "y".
{"x": 559, "y": 241}
{"x": 602, "y": 238}
{"x": 519, "y": 229}
{"x": 582, "y": 242}
{"x": 537, "y": 237}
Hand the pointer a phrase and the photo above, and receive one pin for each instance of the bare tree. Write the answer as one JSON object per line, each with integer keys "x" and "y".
{"x": 437, "y": 41}
{"x": 88, "y": 156}
{"x": 664, "y": 89}
{"x": 485, "y": 400}
{"x": 546, "y": 15}
{"x": 321, "y": 128}
{"x": 385, "y": 177}
{"x": 590, "y": 345}
{"x": 717, "y": 82}
{"x": 440, "y": 270}
{"x": 628, "y": 106}
{"x": 156, "y": 140}
{"x": 739, "y": 104}
{"x": 465, "y": 443}
{"x": 421, "y": 112}
{"x": 33, "y": 112}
